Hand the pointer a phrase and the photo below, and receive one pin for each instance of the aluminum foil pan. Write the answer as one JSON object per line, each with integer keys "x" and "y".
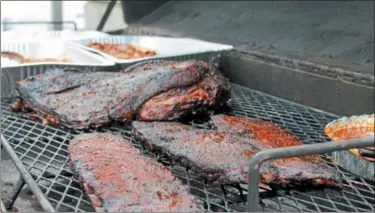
{"x": 350, "y": 128}
{"x": 15, "y": 71}
{"x": 49, "y": 50}
{"x": 65, "y": 35}
{"x": 10, "y": 75}
{"x": 165, "y": 47}
{"x": 350, "y": 162}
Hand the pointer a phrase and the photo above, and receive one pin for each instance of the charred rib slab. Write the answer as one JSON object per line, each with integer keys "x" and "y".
{"x": 118, "y": 178}
{"x": 85, "y": 99}
{"x": 270, "y": 135}
{"x": 223, "y": 155}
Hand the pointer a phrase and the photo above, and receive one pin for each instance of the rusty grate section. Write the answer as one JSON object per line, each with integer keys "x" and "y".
{"x": 43, "y": 150}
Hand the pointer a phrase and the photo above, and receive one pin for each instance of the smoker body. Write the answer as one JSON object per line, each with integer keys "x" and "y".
{"x": 299, "y": 64}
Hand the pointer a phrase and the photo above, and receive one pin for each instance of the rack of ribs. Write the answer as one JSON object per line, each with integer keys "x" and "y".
{"x": 222, "y": 155}
{"x": 117, "y": 178}
{"x": 147, "y": 91}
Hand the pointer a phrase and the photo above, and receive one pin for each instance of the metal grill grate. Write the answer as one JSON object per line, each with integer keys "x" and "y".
{"x": 43, "y": 150}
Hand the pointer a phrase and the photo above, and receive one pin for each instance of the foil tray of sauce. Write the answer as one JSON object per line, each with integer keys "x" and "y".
{"x": 358, "y": 161}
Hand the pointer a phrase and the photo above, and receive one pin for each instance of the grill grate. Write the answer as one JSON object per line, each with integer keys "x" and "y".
{"x": 43, "y": 150}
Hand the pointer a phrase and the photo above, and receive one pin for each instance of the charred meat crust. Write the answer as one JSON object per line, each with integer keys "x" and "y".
{"x": 222, "y": 156}
{"x": 313, "y": 168}
{"x": 195, "y": 149}
{"x": 117, "y": 178}
{"x": 81, "y": 100}
{"x": 210, "y": 93}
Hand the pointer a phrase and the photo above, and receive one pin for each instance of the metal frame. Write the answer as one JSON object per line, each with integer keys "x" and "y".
{"x": 57, "y": 14}
{"x": 321, "y": 148}
{"x": 2, "y": 207}
{"x": 45, "y": 204}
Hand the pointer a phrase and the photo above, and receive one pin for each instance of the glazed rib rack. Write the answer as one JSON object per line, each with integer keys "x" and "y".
{"x": 43, "y": 151}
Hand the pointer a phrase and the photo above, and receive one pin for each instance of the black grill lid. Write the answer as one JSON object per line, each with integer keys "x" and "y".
{"x": 337, "y": 33}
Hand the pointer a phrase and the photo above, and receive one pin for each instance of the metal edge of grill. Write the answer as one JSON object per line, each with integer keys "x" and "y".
{"x": 43, "y": 151}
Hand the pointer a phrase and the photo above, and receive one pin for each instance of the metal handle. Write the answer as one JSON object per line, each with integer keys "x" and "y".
{"x": 271, "y": 154}
{"x": 45, "y": 204}
{"x": 41, "y": 22}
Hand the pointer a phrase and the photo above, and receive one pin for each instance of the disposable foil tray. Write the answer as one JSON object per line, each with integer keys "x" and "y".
{"x": 165, "y": 47}
{"x": 65, "y": 35}
{"x": 348, "y": 128}
{"x": 354, "y": 164}
{"x": 14, "y": 72}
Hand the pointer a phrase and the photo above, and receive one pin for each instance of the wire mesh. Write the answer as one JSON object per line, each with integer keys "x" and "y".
{"x": 43, "y": 151}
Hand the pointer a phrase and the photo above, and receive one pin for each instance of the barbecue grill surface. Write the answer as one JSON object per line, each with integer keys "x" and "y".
{"x": 43, "y": 150}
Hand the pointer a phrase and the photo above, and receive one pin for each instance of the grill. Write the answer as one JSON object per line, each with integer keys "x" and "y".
{"x": 43, "y": 151}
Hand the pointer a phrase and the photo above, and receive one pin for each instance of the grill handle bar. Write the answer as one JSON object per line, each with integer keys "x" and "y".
{"x": 54, "y": 23}
{"x": 271, "y": 154}
{"x": 43, "y": 201}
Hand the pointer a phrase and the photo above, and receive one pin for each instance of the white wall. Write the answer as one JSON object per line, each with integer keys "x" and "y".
{"x": 74, "y": 11}
{"x": 14, "y": 11}
{"x": 26, "y": 10}
{"x": 86, "y": 14}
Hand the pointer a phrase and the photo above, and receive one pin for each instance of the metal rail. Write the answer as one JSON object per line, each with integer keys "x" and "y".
{"x": 53, "y": 23}
{"x": 319, "y": 148}
{"x": 45, "y": 204}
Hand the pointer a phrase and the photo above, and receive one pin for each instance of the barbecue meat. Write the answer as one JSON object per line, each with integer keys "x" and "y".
{"x": 155, "y": 90}
{"x": 211, "y": 92}
{"x": 270, "y": 136}
{"x": 215, "y": 155}
{"x": 223, "y": 155}
{"x": 117, "y": 178}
